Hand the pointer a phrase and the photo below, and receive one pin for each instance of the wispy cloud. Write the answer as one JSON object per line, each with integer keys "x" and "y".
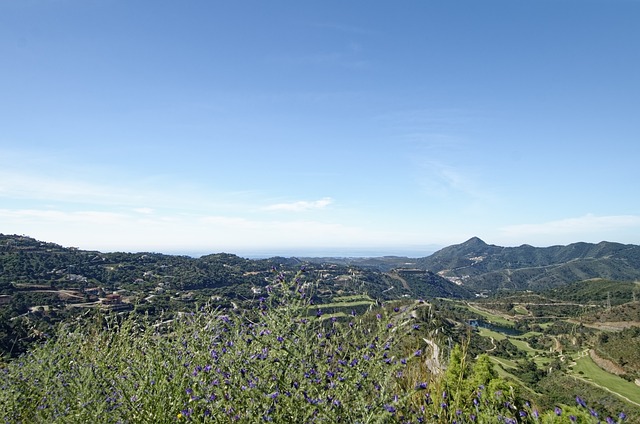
{"x": 580, "y": 228}
{"x": 142, "y": 232}
{"x": 144, "y": 211}
{"x": 26, "y": 216}
{"x": 440, "y": 179}
{"x": 142, "y": 195}
{"x": 300, "y": 206}
{"x": 430, "y": 120}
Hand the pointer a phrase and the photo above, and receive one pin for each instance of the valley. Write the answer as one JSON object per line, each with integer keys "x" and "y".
{"x": 544, "y": 337}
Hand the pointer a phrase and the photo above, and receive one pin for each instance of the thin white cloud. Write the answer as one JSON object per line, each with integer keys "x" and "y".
{"x": 144, "y": 211}
{"x": 18, "y": 185}
{"x": 55, "y": 216}
{"x": 446, "y": 181}
{"x": 108, "y": 231}
{"x": 42, "y": 187}
{"x": 573, "y": 229}
{"x": 300, "y": 206}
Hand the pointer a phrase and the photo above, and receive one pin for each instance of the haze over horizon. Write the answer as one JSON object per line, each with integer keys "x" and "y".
{"x": 250, "y": 126}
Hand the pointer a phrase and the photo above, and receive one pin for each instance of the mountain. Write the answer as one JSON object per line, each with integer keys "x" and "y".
{"x": 37, "y": 269}
{"x": 481, "y": 266}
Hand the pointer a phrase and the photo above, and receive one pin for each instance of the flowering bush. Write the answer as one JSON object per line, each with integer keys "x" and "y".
{"x": 276, "y": 362}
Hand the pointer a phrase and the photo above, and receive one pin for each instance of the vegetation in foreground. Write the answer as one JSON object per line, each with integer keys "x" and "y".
{"x": 274, "y": 363}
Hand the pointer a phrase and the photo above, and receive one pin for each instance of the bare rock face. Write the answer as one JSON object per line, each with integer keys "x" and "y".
{"x": 606, "y": 364}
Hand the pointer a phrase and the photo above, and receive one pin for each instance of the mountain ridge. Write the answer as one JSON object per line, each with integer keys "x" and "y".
{"x": 483, "y": 266}
{"x": 473, "y": 265}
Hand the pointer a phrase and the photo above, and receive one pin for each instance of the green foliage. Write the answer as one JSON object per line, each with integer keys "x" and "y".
{"x": 623, "y": 348}
{"x": 489, "y": 267}
{"x": 272, "y": 363}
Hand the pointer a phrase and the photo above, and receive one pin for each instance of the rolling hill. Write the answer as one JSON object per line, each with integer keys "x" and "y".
{"x": 480, "y": 266}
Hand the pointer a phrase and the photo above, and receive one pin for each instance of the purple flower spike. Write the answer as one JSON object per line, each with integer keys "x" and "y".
{"x": 581, "y": 402}
{"x": 622, "y": 416}
{"x": 558, "y": 411}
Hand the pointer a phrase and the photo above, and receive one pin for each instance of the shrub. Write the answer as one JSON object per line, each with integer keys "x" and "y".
{"x": 272, "y": 363}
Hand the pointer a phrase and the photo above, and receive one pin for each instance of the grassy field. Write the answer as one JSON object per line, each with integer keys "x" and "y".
{"x": 353, "y": 298}
{"x": 504, "y": 363}
{"x": 340, "y": 305}
{"x": 521, "y": 310}
{"x": 524, "y": 346}
{"x": 485, "y": 332}
{"x": 593, "y": 373}
{"x": 546, "y": 325}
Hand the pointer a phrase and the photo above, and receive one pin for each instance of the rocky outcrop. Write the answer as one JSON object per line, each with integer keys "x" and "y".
{"x": 605, "y": 364}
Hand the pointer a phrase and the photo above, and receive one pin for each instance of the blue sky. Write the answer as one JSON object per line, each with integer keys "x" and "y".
{"x": 324, "y": 126}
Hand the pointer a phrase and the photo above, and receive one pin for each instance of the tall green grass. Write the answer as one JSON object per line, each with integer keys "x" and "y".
{"x": 270, "y": 363}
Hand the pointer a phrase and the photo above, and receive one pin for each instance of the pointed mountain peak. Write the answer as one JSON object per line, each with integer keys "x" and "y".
{"x": 474, "y": 241}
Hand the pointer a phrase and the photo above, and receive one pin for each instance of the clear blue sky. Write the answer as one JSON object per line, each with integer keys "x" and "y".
{"x": 284, "y": 126}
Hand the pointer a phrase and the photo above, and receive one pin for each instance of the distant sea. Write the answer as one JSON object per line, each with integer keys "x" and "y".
{"x": 410, "y": 252}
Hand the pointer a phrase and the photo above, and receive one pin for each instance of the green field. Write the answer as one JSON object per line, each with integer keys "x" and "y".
{"x": 485, "y": 332}
{"x": 340, "y": 305}
{"x": 504, "y": 363}
{"x": 521, "y": 310}
{"x": 593, "y": 373}
{"x": 488, "y": 316}
{"x": 352, "y": 298}
{"x": 523, "y": 345}
{"x": 546, "y": 325}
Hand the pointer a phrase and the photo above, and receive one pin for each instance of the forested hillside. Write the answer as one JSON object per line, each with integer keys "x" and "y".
{"x": 480, "y": 266}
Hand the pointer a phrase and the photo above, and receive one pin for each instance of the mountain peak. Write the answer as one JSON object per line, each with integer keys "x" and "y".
{"x": 474, "y": 241}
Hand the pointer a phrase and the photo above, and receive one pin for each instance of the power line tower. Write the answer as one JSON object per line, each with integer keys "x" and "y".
{"x": 608, "y": 301}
